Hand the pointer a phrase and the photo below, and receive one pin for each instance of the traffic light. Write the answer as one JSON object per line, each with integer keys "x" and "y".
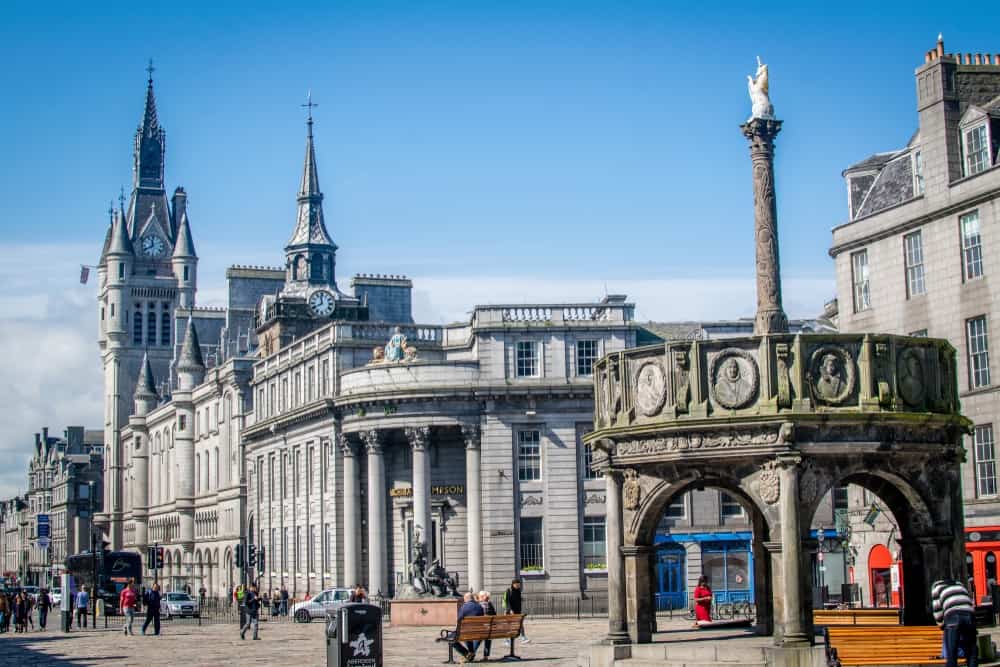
{"x": 159, "y": 558}
{"x": 151, "y": 558}
{"x": 239, "y": 555}
{"x": 260, "y": 561}
{"x": 252, "y": 555}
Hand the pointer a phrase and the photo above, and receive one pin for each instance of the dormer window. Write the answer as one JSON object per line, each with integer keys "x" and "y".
{"x": 977, "y": 149}
{"x": 918, "y": 174}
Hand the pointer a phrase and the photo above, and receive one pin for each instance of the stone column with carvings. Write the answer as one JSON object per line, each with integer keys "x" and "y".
{"x": 617, "y": 626}
{"x": 791, "y": 550}
{"x": 474, "y": 503}
{"x": 352, "y": 518}
{"x": 377, "y": 519}
{"x": 419, "y": 439}
{"x": 771, "y": 317}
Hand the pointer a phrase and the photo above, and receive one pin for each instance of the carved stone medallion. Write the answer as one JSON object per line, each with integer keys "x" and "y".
{"x": 650, "y": 389}
{"x": 910, "y": 371}
{"x": 768, "y": 483}
{"x": 831, "y": 374}
{"x": 631, "y": 491}
{"x": 735, "y": 378}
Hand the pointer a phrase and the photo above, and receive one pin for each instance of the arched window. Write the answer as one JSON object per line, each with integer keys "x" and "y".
{"x": 316, "y": 266}
{"x": 165, "y": 324}
{"x": 197, "y": 466}
{"x": 137, "y": 324}
{"x": 151, "y": 325}
{"x": 215, "y": 467}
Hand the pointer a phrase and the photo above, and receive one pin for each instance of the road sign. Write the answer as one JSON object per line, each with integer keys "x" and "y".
{"x": 43, "y": 542}
{"x": 42, "y": 521}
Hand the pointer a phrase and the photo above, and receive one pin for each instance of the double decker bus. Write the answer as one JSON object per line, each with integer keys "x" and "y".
{"x": 114, "y": 569}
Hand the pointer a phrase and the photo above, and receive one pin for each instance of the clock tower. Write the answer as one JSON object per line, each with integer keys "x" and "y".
{"x": 146, "y": 272}
{"x": 310, "y": 297}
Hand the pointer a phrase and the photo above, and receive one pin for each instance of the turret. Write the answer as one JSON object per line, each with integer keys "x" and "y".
{"x": 119, "y": 261}
{"x": 145, "y": 389}
{"x": 190, "y": 366}
{"x": 185, "y": 261}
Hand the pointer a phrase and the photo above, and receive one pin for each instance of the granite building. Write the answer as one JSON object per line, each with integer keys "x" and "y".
{"x": 917, "y": 256}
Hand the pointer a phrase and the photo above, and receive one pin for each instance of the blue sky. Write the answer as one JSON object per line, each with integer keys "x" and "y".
{"x": 492, "y": 151}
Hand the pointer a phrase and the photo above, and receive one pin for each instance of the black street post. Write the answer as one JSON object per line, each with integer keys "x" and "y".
{"x": 93, "y": 557}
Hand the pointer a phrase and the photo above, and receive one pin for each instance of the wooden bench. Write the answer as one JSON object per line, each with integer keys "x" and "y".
{"x": 481, "y": 628}
{"x": 880, "y": 645}
{"x": 855, "y": 617}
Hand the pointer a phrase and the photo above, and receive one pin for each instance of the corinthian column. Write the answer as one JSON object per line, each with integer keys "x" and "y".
{"x": 770, "y": 315}
{"x": 377, "y": 582}
{"x": 420, "y": 440}
{"x": 474, "y": 504}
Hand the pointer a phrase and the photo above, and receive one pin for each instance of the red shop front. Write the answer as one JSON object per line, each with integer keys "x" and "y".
{"x": 982, "y": 549}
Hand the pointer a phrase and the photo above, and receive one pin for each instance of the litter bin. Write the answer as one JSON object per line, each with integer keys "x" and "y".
{"x": 354, "y": 636}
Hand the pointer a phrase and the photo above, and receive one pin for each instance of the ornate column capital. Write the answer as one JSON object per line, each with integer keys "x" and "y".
{"x": 471, "y": 435}
{"x": 761, "y": 133}
{"x": 374, "y": 440}
{"x": 788, "y": 461}
{"x": 418, "y": 436}
{"x": 343, "y": 443}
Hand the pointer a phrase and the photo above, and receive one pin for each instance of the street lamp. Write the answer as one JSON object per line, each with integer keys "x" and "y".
{"x": 821, "y": 538}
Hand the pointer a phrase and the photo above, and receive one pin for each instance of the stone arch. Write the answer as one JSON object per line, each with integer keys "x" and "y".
{"x": 640, "y": 526}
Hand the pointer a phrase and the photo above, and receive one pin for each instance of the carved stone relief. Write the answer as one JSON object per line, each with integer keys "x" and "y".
{"x": 808, "y": 483}
{"x": 831, "y": 374}
{"x": 782, "y": 353}
{"x": 910, "y": 371}
{"x": 595, "y": 499}
{"x": 631, "y": 491}
{"x": 650, "y": 389}
{"x": 734, "y": 378}
{"x": 530, "y": 499}
{"x": 761, "y": 437}
{"x": 768, "y": 483}
{"x": 682, "y": 381}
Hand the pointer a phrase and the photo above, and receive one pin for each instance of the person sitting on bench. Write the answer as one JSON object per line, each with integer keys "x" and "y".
{"x": 469, "y": 608}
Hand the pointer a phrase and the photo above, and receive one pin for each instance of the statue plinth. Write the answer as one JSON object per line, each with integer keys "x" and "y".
{"x": 437, "y": 612}
{"x": 771, "y": 316}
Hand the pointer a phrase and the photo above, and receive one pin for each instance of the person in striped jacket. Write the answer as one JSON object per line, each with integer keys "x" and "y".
{"x": 954, "y": 612}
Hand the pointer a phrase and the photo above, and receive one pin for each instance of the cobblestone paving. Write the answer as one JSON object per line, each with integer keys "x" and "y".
{"x": 553, "y": 642}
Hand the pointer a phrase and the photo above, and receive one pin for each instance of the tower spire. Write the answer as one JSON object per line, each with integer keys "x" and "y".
{"x": 310, "y": 178}
{"x": 150, "y": 142}
{"x": 310, "y": 227}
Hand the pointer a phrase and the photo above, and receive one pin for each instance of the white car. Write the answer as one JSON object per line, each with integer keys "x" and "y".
{"x": 318, "y": 605}
{"x": 55, "y": 595}
{"x": 179, "y": 604}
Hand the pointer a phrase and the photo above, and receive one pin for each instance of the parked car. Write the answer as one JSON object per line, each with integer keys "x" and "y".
{"x": 320, "y": 604}
{"x": 179, "y": 605}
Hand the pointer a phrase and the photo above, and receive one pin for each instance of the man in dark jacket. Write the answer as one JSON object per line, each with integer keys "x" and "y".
{"x": 488, "y": 610}
{"x": 512, "y": 605}
{"x": 152, "y": 601}
{"x": 252, "y": 604}
{"x": 44, "y": 604}
{"x": 470, "y": 607}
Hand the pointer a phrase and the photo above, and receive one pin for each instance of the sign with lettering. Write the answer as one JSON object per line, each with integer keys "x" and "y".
{"x": 444, "y": 490}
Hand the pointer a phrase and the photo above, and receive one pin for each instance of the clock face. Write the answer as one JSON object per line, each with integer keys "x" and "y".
{"x": 152, "y": 246}
{"x": 322, "y": 303}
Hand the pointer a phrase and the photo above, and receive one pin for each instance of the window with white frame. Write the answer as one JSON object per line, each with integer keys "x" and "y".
{"x": 859, "y": 277}
{"x": 586, "y": 355}
{"x": 913, "y": 248}
{"x": 977, "y": 150}
{"x": 972, "y": 246}
{"x": 918, "y": 173}
{"x": 729, "y": 507}
{"x": 677, "y": 509}
{"x": 595, "y": 552}
{"x": 978, "y": 350}
{"x": 529, "y": 455}
{"x": 526, "y": 359}
{"x": 986, "y": 462}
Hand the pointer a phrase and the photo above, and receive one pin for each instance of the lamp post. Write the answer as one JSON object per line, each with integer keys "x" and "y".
{"x": 93, "y": 555}
{"x": 821, "y": 538}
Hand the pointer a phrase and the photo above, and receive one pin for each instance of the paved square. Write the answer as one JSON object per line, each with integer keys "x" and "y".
{"x": 553, "y": 642}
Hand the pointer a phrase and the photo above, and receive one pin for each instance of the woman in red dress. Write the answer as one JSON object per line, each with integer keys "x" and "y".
{"x": 702, "y": 602}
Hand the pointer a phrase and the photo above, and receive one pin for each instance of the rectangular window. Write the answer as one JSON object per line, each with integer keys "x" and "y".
{"x": 588, "y": 461}
{"x": 310, "y": 383}
{"x": 678, "y": 508}
{"x": 151, "y": 325}
{"x": 271, "y": 478}
{"x": 986, "y": 462}
{"x": 271, "y": 394}
{"x": 284, "y": 549}
{"x": 859, "y": 277}
{"x": 729, "y": 507}
{"x": 595, "y": 554}
{"x": 284, "y": 476}
{"x": 328, "y": 550}
{"x": 532, "y": 557}
{"x": 312, "y": 548}
{"x": 121, "y": 271}
{"x": 324, "y": 378}
{"x": 529, "y": 456}
{"x": 918, "y": 173}
{"x": 979, "y": 355}
{"x": 977, "y": 150}
{"x": 187, "y": 273}
{"x": 914, "y": 253}
{"x": 839, "y": 498}
{"x": 297, "y": 472}
{"x": 284, "y": 395}
{"x": 137, "y": 325}
{"x": 526, "y": 361}
{"x": 260, "y": 403}
{"x": 298, "y": 548}
{"x": 270, "y": 548}
{"x": 297, "y": 396}
{"x": 586, "y": 355}
{"x": 972, "y": 246}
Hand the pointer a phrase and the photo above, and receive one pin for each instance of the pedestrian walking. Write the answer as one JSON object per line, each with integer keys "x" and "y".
{"x": 127, "y": 602}
{"x": 358, "y": 594}
{"x": 4, "y": 612}
{"x": 29, "y": 610}
{"x": 252, "y": 605}
{"x": 954, "y": 612}
{"x": 513, "y": 604}
{"x": 201, "y": 596}
{"x": 284, "y": 601}
{"x": 152, "y": 601}
{"x": 238, "y": 595}
{"x": 44, "y": 604}
{"x": 488, "y": 610}
{"x": 81, "y": 602}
